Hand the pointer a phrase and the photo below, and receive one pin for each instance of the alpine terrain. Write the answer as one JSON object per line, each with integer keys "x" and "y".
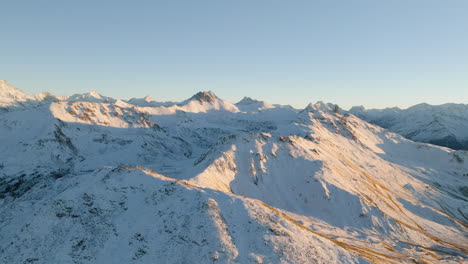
{"x": 92, "y": 179}
{"x": 444, "y": 125}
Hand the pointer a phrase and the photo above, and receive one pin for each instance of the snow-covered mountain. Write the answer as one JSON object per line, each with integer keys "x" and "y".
{"x": 92, "y": 96}
{"x": 12, "y": 96}
{"x": 145, "y": 101}
{"x": 206, "y": 181}
{"x": 206, "y": 101}
{"x": 248, "y": 104}
{"x": 8, "y": 93}
{"x": 444, "y": 125}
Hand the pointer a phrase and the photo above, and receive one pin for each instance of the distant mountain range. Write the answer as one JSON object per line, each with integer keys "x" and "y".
{"x": 444, "y": 125}
{"x": 92, "y": 179}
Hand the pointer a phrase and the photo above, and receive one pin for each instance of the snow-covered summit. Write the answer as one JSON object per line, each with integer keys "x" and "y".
{"x": 204, "y": 97}
{"x": 248, "y": 101}
{"x": 149, "y": 101}
{"x": 248, "y": 104}
{"x": 145, "y": 101}
{"x": 204, "y": 102}
{"x": 321, "y": 107}
{"x": 9, "y": 93}
{"x": 357, "y": 109}
{"x": 12, "y": 96}
{"x": 92, "y": 96}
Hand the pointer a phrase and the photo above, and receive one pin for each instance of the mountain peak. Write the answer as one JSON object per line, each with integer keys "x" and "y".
{"x": 359, "y": 108}
{"x": 145, "y": 101}
{"x": 10, "y": 92}
{"x": 148, "y": 99}
{"x": 95, "y": 94}
{"x": 206, "y": 101}
{"x": 421, "y": 107}
{"x": 3, "y": 83}
{"x": 246, "y": 101}
{"x": 248, "y": 104}
{"x": 208, "y": 97}
{"x": 321, "y": 106}
{"x": 92, "y": 96}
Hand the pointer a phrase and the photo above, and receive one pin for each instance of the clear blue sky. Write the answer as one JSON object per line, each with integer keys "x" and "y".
{"x": 375, "y": 53}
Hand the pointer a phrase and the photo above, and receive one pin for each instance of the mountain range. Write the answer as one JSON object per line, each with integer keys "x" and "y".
{"x": 92, "y": 179}
{"x": 443, "y": 125}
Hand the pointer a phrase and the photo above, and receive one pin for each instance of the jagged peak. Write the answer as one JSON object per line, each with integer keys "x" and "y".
{"x": 205, "y": 96}
{"x": 309, "y": 107}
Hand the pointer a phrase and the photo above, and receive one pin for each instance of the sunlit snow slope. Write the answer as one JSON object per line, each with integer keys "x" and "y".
{"x": 91, "y": 179}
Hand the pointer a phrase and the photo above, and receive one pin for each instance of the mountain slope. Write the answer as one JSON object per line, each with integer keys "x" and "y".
{"x": 98, "y": 182}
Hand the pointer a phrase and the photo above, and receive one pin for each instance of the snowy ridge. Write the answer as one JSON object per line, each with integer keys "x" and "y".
{"x": 112, "y": 182}
{"x": 145, "y": 101}
{"x": 12, "y": 96}
{"x": 92, "y": 96}
{"x": 10, "y": 93}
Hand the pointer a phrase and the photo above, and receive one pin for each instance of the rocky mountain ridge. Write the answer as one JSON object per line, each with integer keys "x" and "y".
{"x": 111, "y": 182}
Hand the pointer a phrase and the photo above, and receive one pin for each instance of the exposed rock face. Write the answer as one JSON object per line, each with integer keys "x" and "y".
{"x": 205, "y": 97}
